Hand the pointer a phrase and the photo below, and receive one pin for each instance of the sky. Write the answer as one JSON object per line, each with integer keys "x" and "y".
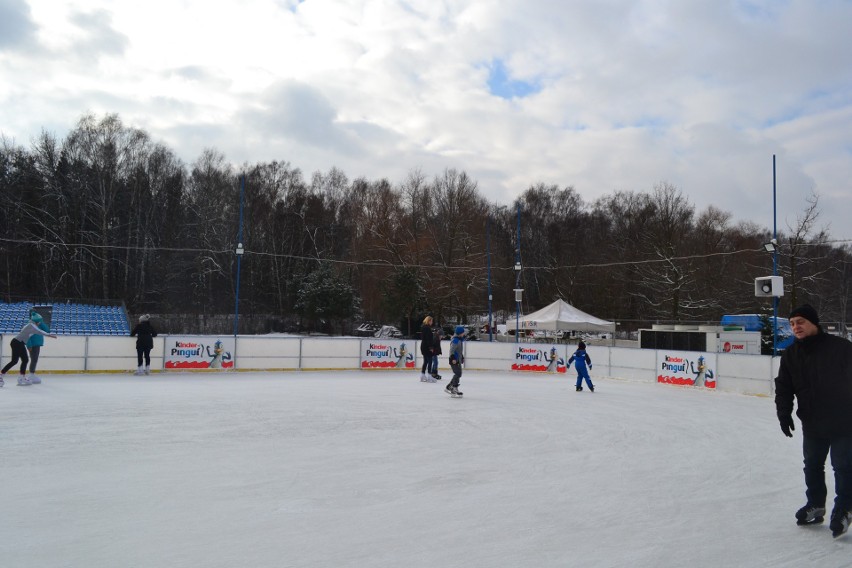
{"x": 379, "y": 470}
{"x": 616, "y": 95}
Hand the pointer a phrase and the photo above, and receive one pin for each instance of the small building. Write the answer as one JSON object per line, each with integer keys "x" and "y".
{"x": 705, "y": 338}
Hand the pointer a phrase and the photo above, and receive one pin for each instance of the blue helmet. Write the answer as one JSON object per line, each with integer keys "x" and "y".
{"x": 460, "y": 330}
{"x": 36, "y": 317}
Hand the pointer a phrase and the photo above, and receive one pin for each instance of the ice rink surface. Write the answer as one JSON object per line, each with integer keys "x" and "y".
{"x": 376, "y": 469}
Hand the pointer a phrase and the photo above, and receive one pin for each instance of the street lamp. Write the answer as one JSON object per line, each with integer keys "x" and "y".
{"x": 771, "y": 246}
{"x": 239, "y": 252}
{"x": 774, "y": 251}
{"x": 519, "y": 292}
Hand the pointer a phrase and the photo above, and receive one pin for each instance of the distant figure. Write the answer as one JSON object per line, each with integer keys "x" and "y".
{"x": 456, "y": 362}
{"x": 436, "y": 351}
{"x": 580, "y": 359}
{"x": 817, "y": 371}
{"x": 426, "y": 348}
{"x": 34, "y": 345}
{"x": 19, "y": 352}
{"x": 145, "y": 335}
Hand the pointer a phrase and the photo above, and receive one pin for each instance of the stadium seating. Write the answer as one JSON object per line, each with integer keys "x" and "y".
{"x": 67, "y": 318}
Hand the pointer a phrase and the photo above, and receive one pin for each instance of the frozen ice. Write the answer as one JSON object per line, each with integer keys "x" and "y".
{"x": 378, "y": 469}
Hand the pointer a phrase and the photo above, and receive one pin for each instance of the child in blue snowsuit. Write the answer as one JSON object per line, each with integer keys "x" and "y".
{"x": 456, "y": 361}
{"x": 580, "y": 358}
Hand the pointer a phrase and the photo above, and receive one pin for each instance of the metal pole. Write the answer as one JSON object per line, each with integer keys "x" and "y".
{"x": 488, "y": 257}
{"x": 518, "y": 277}
{"x": 774, "y": 263}
{"x": 239, "y": 257}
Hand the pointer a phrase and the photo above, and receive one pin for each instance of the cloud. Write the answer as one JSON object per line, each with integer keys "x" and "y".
{"x": 604, "y": 96}
{"x": 17, "y": 28}
{"x": 98, "y": 37}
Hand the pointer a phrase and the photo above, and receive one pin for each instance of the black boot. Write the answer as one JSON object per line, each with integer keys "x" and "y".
{"x": 839, "y": 522}
{"x": 810, "y": 515}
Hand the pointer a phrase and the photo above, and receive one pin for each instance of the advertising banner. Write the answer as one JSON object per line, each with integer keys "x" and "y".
{"x": 538, "y": 358}
{"x": 196, "y": 352}
{"x": 689, "y": 368}
{"x": 387, "y": 354}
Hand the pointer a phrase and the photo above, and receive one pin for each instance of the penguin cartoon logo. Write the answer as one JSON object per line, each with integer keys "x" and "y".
{"x": 216, "y": 362}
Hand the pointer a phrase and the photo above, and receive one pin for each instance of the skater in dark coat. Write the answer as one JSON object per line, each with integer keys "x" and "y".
{"x": 817, "y": 371}
{"x": 426, "y": 348}
{"x": 145, "y": 334}
{"x": 436, "y": 352}
{"x": 456, "y": 361}
{"x": 580, "y": 359}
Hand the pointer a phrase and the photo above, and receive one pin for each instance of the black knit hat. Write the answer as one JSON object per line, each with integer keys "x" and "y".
{"x": 806, "y": 311}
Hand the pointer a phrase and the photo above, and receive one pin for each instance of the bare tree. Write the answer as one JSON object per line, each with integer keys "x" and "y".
{"x": 109, "y": 153}
{"x": 800, "y": 243}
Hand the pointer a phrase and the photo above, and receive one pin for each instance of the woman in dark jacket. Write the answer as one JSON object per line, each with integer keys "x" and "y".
{"x": 426, "y": 348}
{"x": 145, "y": 335}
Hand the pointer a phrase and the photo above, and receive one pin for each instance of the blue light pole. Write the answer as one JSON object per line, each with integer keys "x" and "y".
{"x": 239, "y": 252}
{"x": 774, "y": 263}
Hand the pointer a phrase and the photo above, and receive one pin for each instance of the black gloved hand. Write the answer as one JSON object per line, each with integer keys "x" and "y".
{"x": 787, "y": 425}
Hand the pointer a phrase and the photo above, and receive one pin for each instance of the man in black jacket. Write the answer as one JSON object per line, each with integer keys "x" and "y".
{"x": 817, "y": 370}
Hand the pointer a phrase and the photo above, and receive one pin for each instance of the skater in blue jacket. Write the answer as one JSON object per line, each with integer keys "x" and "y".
{"x": 580, "y": 359}
{"x": 456, "y": 361}
{"x": 34, "y": 345}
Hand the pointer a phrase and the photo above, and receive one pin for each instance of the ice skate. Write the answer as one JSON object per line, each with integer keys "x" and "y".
{"x": 810, "y": 515}
{"x": 431, "y": 380}
{"x": 839, "y": 522}
{"x": 423, "y": 378}
{"x": 2, "y": 382}
{"x": 139, "y": 371}
{"x": 35, "y": 379}
{"x": 147, "y": 370}
{"x": 436, "y": 376}
{"x": 591, "y": 389}
{"x": 579, "y": 389}
{"x": 23, "y": 381}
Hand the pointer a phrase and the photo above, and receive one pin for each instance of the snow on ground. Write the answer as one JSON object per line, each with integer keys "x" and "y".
{"x": 376, "y": 469}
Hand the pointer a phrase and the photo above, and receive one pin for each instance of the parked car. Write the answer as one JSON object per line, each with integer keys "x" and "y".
{"x": 367, "y": 329}
{"x": 388, "y": 331}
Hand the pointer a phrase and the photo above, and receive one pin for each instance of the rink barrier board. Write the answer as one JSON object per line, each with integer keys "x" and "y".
{"x": 747, "y": 374}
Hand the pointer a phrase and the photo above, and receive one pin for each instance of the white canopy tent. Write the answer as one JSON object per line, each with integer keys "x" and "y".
{"x": 560, "y": 315}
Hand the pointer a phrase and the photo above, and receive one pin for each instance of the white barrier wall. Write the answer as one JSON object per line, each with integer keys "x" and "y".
{"x": 748, "y": 374}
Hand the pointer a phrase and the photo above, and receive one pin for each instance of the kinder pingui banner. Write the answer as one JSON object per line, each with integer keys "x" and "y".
{"x": 687, "y": 368}
{"x": 199, "y": 352}
{"x": 387, "y": 354}
{"x": 539, "y": 358}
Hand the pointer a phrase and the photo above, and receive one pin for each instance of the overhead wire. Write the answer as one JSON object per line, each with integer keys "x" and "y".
{"x": 386, "y": 264}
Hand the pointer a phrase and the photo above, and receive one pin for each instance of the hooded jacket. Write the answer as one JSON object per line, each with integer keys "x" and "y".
{"x": 817, "y": 371}
{"x": 37, "y": 340}
{"x": 145, "y": 335}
